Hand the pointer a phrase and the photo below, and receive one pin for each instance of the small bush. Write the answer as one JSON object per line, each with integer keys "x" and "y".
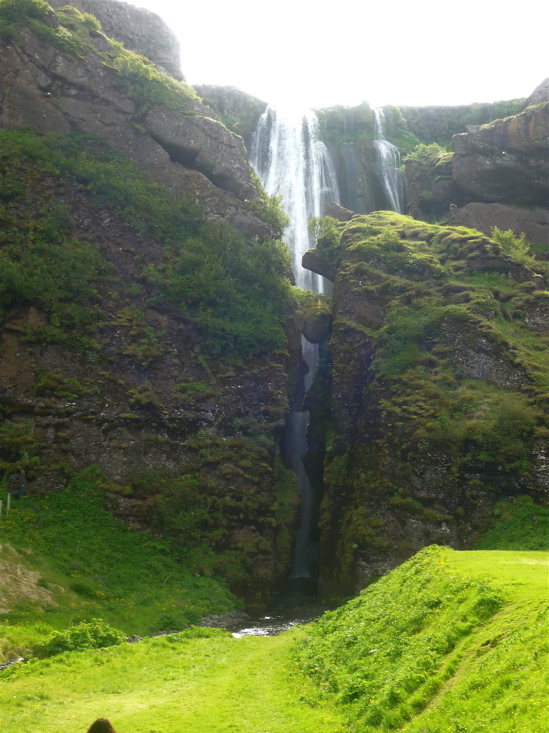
{"x": 515, "y": 246}
{"x": 93, "y": 635}
{"x": 426, "y": 154}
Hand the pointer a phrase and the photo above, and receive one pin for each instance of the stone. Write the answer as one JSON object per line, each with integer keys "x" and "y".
{"x": 189, "y": 151}
{"x": 540, "y": 94}
{"x": 534, "y": 223}
{"x": 140, "y": 30}
{"x": 506, "y": 161}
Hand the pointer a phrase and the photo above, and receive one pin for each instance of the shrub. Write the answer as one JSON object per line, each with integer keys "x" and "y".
{"x": 14, "y": 12}
{"x": 426, "y": 154}
{"x": 515, "y": 246}
{"x": 95, "y": 634}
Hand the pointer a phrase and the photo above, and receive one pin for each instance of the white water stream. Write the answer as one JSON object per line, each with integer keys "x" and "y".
{"x": 294, "y": 163}
{"x": 389, "y": 164}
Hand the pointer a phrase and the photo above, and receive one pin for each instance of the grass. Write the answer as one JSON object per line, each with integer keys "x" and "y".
{"x": 449, "y": 642}
{"x": 133, "y": 580}
{"x": 519, "y": 524}
{"x": 166, "y": 685}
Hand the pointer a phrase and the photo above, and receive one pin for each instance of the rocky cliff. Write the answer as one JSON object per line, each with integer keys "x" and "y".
{"x": 431, "y": 402}
{"x": 144, "y": 301}
{"x": 137, "y": 29}
{"x": 497, "y": 175}
{"x": 239, "y": 111}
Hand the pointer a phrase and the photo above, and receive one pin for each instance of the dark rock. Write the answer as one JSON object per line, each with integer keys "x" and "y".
{"x": 505, "y": 161}
{"x": 140, "y": 30}
{"x": 403, "y": 469}
{"x": 339, "y": 212}
{"x": 534, "y": 223}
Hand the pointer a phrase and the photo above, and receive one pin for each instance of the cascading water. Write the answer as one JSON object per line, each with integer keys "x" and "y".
{"x": 389, "y": 163}
{"x": 292, "y": 162}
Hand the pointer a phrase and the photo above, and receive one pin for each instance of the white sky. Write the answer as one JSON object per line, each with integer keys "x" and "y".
{"x": 316, "y": 54}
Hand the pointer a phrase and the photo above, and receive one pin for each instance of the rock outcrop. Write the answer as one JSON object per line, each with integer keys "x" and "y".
{"x": 437, "y": 407}
{"x": 140, "y": 30}
{"x": 130, "y": 339}
{"x": 158, "y": 122}
{"x": 497, "y": 175}
{"x": 506, "y": 161}
{"x": 534, "y": 223}
{"x": 239, "y": 111}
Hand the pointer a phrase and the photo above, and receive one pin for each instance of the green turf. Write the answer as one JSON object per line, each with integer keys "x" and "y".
{"x": 166, "y": 685}
{"x": 450, "y": 642}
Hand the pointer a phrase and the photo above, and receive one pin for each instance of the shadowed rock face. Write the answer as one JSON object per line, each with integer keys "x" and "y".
{"x": 505, "y": 161}
{"x": 127, "y": 433}
{"x": 430, "y": 372}
{"x": 138, "y": 29}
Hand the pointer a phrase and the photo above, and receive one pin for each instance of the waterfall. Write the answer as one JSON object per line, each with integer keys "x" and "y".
{"x": 291, "y": 161}
{"x": 389, "y": 163}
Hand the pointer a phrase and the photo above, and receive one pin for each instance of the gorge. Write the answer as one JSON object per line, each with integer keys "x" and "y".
{"x": 159, "y": 341}
{"x": 255, "y": 363}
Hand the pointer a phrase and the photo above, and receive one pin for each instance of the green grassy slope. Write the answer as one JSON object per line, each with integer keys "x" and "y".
{"x": 166, "y": 685}
{"x": 450, "y": 642}
{"x": 92, "y": 565}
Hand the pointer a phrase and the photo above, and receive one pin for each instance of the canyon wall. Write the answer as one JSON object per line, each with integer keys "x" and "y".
{"x": 146, "y": 333}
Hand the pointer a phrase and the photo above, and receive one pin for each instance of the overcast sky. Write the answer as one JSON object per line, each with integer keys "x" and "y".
{"x": 316, "y": 54}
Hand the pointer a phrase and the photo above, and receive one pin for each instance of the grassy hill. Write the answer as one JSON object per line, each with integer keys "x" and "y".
{"x": 450, "y": 642}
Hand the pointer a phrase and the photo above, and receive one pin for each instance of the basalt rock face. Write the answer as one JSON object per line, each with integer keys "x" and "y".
{"x": 505, "y": 161}
{"x": 118, "y": 350}
{"x": 497, "y": 176}
{"x": 138, "y": 29}
{"x": 239, "y": 111}
{"x": 434, "y": 403}
{"x": 534, "y": 223}
{"x": 180, "y": 142}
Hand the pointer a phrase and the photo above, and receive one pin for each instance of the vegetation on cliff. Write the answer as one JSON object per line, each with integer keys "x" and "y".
{"x": 136, "y": 581}
{"x": 439, "y": 404}
{"x": 207, "y": 270}
{"x": 448, "y": 642}
{"x": 128, "y": 313}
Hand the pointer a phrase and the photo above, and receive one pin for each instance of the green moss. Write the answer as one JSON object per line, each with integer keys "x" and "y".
{"x": 14, "y": 13}
{"x": 235, "y": 290}
{"x": 143, "y": 82}
{"x": 401, "y": 400}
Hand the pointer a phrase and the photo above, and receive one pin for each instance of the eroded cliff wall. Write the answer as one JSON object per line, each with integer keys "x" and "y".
{"x": 144, "y": 300}
{"x": 431, "y": 403}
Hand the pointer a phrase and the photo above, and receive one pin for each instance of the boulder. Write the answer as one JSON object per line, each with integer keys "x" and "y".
{"x": 505, "y": 161}
{"x": 534, "y": 223}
